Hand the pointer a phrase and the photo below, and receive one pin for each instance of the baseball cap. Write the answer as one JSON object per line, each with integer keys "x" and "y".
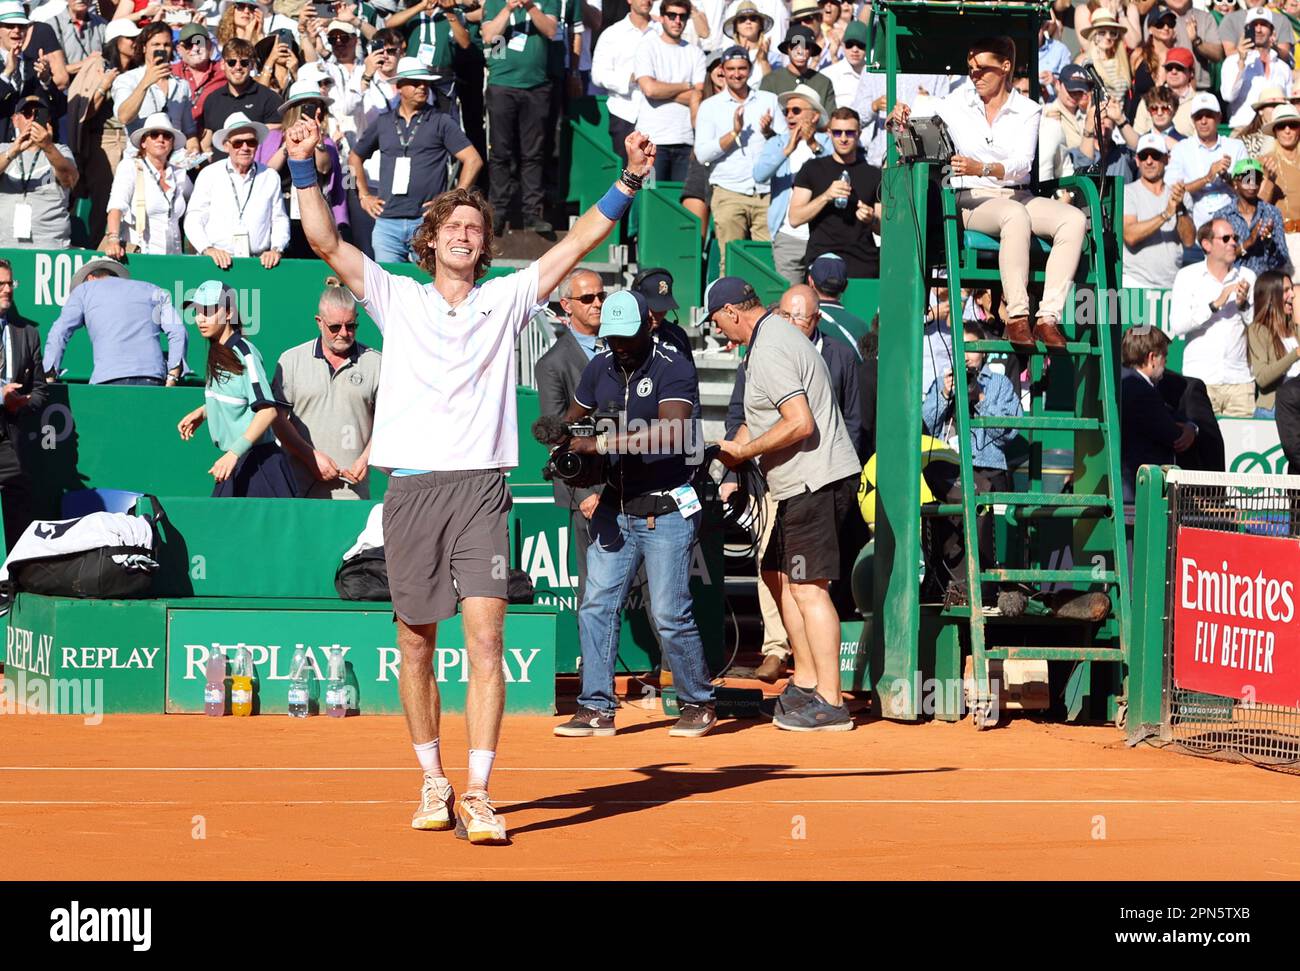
{"x": 1180, "y": 55}
{"x": 210, "y": 293}
{"x": 1205, "y": 102}
{"x": 1160, "y": 12}
{"x": 120, "y": 28}
{"x": 1247, "y": 165}
{"x": 725, "y": 290}
{"x": 656, "y": 285}
{"x": 193, "y": 30}
{"x": 1152, "y": 142}
{"x": 1074, "y": 77}
{"x": 622, "y": 314}
{"x": 830, "y": 274}
{"x": 1259, "y": 13}
{"x": 735, "y": 53}
{"x": 857, "y": 31}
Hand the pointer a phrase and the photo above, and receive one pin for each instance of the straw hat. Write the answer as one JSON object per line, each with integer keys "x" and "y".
{"x": 1269, "y": 95}
{"x": 1101, "y": 18}
{"x": 746, "y": 7}
{"x": 1281, "y": 113}
{"x": 809, "y": 95}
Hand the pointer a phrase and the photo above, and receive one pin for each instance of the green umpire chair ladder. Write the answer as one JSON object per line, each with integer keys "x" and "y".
{"x": 971, "y": 260}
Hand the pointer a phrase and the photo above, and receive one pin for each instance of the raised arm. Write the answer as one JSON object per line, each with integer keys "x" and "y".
{"x": 317, "y": 220}
{"x": 593, "y": 226}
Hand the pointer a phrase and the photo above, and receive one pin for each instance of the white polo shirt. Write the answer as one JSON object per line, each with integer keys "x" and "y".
{"x": 667, "y": 122}
{"x": 447, "y": 387}
{"x": 1216, "y": 340}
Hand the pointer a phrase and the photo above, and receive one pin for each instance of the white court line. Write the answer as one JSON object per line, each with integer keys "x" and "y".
{"x": 588, "y": 804}
{"x": 507, "y": 768}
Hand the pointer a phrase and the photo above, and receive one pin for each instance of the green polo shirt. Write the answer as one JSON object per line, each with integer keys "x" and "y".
{"x": 570, "y": 16}
{"x": 429, "y": 38}
{"x": 230, "y": 401}
{"x": 518, "y": 58}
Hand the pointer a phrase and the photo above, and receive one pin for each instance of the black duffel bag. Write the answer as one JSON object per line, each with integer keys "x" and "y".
{"x": 364, "y": 576}
{"x": 92, "y": 575}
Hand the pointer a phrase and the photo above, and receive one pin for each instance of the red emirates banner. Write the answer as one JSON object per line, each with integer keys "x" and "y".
{"x": 1235, "y": 627}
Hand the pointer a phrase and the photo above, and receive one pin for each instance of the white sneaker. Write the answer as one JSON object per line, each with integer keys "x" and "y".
{"x": 436, "y": 798}
{"x": 477, "y": 821}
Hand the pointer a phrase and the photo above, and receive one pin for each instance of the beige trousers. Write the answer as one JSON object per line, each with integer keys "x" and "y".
{"x": 1232, "y": 400}
{"x": 1013, "y": 216}
{"x": 737, "y": 216}
{"x": 775, "y": 639}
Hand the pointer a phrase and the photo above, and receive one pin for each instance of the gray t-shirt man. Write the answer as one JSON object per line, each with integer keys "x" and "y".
{"x": 781, "y": 364}
{"x": 333, "y": 410}
{"x": 30, "y": 180}
{"x": 1155, "y": 261}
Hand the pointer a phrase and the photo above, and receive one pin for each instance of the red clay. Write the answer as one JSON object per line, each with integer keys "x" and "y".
{"x": 889, "y": 801}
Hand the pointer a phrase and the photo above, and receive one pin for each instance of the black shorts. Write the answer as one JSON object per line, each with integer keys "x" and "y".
{"x": 446, "y": 537}
{"x": 809, "y": 529}
{"x": 697, "y": 185}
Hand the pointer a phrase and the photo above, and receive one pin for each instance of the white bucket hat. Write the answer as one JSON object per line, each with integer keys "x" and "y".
{"x": 159, "y": 121}
{"x": 238, "y": 122}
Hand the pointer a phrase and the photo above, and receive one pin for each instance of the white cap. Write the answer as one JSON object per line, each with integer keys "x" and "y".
{"x": 1152, "y": 142}
{"x": 120, "y": 28}
{"x": 339, "y": 25}
{"x": 1259, "y": 13}
{"x": 1205, "y": 102}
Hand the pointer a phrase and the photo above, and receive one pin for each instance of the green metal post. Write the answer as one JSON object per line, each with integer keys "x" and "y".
{"x": 1146, "y": 672}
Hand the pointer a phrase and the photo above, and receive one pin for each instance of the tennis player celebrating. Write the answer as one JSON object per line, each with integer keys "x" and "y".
{"x": 445, "y": 426}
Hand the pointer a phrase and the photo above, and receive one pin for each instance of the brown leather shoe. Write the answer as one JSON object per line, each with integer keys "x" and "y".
{"x": 1047, "y": 331}
{"x": 1018, "y": 332}
{"x": 772, "y": 670}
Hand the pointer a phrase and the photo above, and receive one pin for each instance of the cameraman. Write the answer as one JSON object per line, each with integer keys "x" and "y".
{"x": 648, "y": 512}
{"x": 990, "y": 394}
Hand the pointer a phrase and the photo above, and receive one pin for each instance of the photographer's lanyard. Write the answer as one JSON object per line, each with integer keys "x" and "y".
{"x": 171, "y": 197}
{"x": 412, "y": 128}
{"x": 76, "y": 37}
{"x": 235, "y": 191}
{"x": 24, "y": 175}
{"x": 429, "y": 38}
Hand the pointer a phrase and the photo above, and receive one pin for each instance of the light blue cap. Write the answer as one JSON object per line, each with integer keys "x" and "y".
{"x": 210, "y": 293}
{"x": 622, "y": 314}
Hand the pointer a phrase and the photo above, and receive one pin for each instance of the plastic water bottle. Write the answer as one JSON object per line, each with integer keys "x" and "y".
{"x": 336, "y": 698}
{"x": 298, "y": 700}
{"x": 241, "y": 684}
{"x": 214, "y": 692}
{"x": 844, "y": 177}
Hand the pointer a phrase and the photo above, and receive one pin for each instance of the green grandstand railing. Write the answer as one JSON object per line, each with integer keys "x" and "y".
{"x": 670, "y": 238}
{"x": 593, "y": 167}
{"x": 751, "y": 260}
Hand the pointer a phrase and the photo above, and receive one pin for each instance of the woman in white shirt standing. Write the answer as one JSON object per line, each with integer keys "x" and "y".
{"x": 148, "y": 195}
{"x": 995, "y": 132}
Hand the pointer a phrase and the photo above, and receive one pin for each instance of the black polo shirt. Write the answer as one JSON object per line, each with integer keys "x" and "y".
{"x": 258, "y": 103}
{"x": 430, "y": 137}
{"x": 665, "y": 375}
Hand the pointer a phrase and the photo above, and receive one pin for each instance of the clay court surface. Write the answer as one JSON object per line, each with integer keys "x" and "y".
{"x": 320, "y": 798}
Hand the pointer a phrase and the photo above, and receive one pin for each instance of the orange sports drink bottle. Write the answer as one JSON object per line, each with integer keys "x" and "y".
{"x": 241, "y": 684}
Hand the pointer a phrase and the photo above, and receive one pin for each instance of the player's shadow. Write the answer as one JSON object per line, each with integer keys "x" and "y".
{"x": 658, "y": 786}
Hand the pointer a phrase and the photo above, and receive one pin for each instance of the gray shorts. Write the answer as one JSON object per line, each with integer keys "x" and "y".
{"x": 446, "y": 536}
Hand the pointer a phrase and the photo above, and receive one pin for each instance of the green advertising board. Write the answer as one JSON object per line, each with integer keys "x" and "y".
{"x": 368, "y": 640}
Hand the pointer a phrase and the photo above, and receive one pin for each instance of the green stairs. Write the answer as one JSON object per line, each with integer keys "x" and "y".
{"x": 1095, "y": 420}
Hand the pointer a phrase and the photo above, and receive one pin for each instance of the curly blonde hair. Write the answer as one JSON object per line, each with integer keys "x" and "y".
{"x": 424, "y": 243}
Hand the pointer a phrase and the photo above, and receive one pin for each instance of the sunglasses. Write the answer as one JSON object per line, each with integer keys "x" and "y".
{"x": 195, "y": 42}
{"x": 809, "y": 18}
{"x": 28, "y": 111}
{"x": 392, "y": 51}
{"x": 1148, "y": 155}
{"x": 793, "y": 110}
{"x": 855, "y": 45}
{"x": 1159, "y": 108}
{"x": 239, "y": 62}
{"x": 242, "y": 142}
{"x": 351, "y": 326}
{"x": 1169, "y": 24}
{"x": 1229, "y": 238}
{"x": 844, "y": 132}
{"x": 159, "y": 134}
{"x": 590, "y": 297}
{"x": 341, "y": 38}
{"x": 1176, "y": 67}
{"x": 749, "y": 18}
{"x": 676, "y": 16}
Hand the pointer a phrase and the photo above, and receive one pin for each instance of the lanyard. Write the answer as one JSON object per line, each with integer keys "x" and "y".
{"x": 23, "y": 173}
{"x": 235, "y": 192}
{"x": 171, "y": 199}
{"x": 410, "y": 131}
{"x": 9, "y": 353}
{"x": 73, "y": 35}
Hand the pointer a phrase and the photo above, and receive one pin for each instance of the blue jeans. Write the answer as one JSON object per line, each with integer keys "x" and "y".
{"x": 619, "y": 543}
{"x": 391, "y": 239}
{"x": 1269, "y": 413}
{"x": 138, "y": 382}
{"x": 672, "y": 162}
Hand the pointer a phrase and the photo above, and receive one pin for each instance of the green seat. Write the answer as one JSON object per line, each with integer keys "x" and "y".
{"x": 989, "y": 244}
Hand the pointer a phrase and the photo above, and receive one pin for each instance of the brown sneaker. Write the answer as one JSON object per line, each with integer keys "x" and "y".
{"x": 696, "y": 720}
{"x": 1018, "y": 333}
{"x": 1047, "y": 331}
{"x": 772, "y": 670}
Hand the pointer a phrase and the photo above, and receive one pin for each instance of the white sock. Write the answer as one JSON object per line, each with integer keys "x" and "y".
{"x": 480, "y": 768}
{"x": 430, "y": 760}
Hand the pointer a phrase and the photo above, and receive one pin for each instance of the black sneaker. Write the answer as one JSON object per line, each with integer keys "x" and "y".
{"x": 585, "y": 723}
{"x": 793, "y": 697}
{"x": 696, "y": 720}
{"x": 817, "y": 715}
{"x": 540, "y": 226}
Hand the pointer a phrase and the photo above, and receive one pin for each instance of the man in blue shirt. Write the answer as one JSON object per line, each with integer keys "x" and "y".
{"x": 990, "y": 394}
{"x": 648, "y": 512}
{"x": 1052, "y": 56}
{"x": 1261, "y": 233}
{"x": 124, "y": 318}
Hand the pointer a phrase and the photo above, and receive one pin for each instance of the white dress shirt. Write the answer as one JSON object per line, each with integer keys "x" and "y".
{"x": 1241, "y": 88}
{"x": 176, "y": 103}
{"x": 219, "y": 197}
{"x": 872, "y": 86}
{"x": 844, "y": 80}
{"x": 612, "y": 66}
{"x": 734, "y": 170}
{"x": 346, "y": 108}
{"x": 1012, "y": 139}
{"x": 163, "y": 210}
{"x": 1190, "y": 161}
{"x": 1216, "y": 339}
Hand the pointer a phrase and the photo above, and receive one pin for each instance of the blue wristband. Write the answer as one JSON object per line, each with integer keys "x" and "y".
{"x": 614, "y": 204}
{"x": 303, "y": 172}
